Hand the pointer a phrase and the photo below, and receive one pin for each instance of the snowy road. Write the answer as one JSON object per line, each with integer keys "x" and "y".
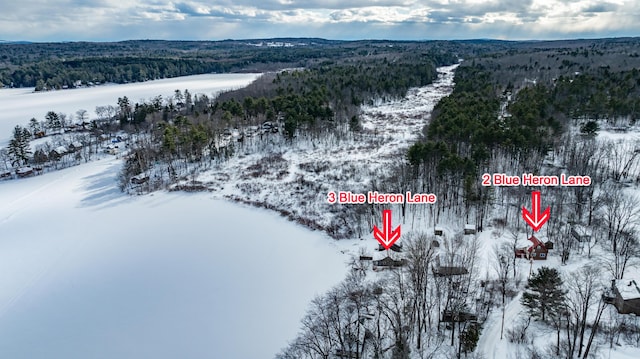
{"x": 490, "y": 343}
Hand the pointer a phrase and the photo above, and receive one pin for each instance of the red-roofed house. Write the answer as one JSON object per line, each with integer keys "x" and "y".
{"x": 537, "y": 250}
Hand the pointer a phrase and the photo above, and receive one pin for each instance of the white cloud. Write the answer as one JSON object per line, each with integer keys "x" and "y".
{"x": 41, "y": 20}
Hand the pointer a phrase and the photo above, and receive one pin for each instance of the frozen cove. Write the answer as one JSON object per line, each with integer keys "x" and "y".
{"x": 88, "y": 272}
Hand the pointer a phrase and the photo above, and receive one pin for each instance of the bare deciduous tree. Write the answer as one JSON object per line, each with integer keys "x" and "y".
{"x": 502, "y": 267}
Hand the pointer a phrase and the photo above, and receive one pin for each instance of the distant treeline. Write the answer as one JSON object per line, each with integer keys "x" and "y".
{"x": 60, "y": 65}
{"x": 60, "y": 74}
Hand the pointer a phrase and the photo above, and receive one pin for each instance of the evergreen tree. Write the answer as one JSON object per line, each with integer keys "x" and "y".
{"x": 590, "y": 128}
{"x": 469, "y": 338}
{"x": 34, "y": 126}
{"x": 544, "y": 296}
{"x": 53, "y": 121}
{"x": 19, "y": 150}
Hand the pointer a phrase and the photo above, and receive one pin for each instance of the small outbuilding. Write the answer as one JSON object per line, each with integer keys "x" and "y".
{"x": 24, "y": 171}
{"x": 469, "y": 229}
{"x": 626, "y": 295}
{"x": 449, "y": 316}
{"x": 580, "y": 233}
{"x": 447, "y": 271}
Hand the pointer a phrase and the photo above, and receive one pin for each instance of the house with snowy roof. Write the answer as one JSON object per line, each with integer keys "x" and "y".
{"x": 469, "y": 229}
{"x": 75, "y": 146}
{"x": 396, "y": 247}
{"x": 58, "y": 152}
{"x": 580, "y": 233}
{"x": 449, "y": 265}
{"x": 626, "y": 295}
{"x": 537, "y": 250}
{"x": 388, "y": 262}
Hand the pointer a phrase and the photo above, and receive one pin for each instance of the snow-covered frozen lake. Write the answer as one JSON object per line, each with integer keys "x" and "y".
{"x": 20, "y": 105}
{"x": 88, "y": 272}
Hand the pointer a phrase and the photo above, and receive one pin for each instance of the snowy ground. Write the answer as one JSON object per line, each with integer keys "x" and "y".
{"x": 20, "y": 105}
{"x": 295, "y": 179}
{"x": 491, "y": 345}
{"x": 88, "y": 272}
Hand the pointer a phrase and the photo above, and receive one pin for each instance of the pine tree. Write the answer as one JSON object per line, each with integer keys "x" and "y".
{"x": 19, "y": 149}
{"x": 34, "y": 126}
{"x": 590, "y": 128}
{"x": 544, "y": 296}
{"x": 53, "y": 121}
{"x": 469, "y": 338}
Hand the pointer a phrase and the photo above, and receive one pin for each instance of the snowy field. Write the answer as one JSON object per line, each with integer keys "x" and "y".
{"x": 20, "y": 105}
{"x": 88, "y": 272}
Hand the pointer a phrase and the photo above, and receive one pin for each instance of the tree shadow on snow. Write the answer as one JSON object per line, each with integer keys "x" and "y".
{"x": 101, "y": 189}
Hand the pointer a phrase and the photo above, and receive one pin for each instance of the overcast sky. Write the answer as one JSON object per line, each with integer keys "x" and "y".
{"x": 109, "y": 20}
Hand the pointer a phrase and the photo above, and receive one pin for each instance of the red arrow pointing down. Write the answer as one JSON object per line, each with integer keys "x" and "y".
{"x": 536, "y": 219}
{"x": 386, "y": 237}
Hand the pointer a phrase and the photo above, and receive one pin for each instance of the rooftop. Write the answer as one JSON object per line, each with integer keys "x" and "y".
{"x": 628, "y": 288}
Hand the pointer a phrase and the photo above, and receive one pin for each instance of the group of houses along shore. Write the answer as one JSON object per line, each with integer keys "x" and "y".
{"x": 393, "y": 257}
{"x": 624, "y": 294}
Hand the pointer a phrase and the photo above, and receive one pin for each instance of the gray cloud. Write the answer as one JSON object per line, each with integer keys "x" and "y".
{"x": 602, "y": 7}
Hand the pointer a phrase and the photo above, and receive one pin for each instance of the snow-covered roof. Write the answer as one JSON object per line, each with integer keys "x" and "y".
{"x": 581, "y": 230}
{"x": 628, "y": 288}
{"x": 469, "y": 226}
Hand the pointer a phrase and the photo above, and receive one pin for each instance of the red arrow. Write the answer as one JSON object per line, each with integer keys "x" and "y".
{"x": 386, "y": 237}
{"x": 537, "y": 219}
